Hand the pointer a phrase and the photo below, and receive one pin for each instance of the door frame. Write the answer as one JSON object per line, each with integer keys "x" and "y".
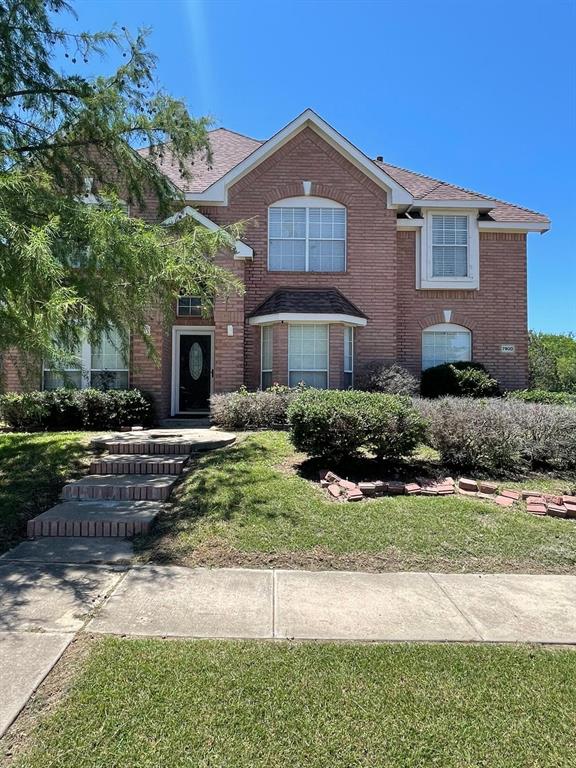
{"x": 177, "y": 332}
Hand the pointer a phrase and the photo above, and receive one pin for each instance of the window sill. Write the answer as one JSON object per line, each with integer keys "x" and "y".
{"x": 449, "y": 285}
{"x": 304, "y": 272}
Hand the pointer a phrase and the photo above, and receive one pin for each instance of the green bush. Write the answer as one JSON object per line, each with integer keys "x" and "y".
{"x": 63, "y": 409}
{"x": 252, "y": 410}
{"x": 461, "y": 379}
{"x": 336, "y": 425}
{"x": 542, "y": 396}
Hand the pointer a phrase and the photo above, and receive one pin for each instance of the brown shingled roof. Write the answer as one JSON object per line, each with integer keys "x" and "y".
{"x": 425, "y": 187}
{"x": 316, "y": 301}
{"x": 230, "y": 148}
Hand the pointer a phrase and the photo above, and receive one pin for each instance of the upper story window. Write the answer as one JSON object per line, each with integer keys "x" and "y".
{"x": 449, "y": 250}
{"x": 449, "y": 246}
{"x": 307, "y": 234}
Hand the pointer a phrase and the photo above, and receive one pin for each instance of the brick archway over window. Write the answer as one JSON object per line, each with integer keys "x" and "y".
{"x": 296, "y": 189}
{"x": 437, "y": 318}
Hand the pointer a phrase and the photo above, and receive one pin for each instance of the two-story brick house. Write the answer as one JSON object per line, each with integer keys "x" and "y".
{"x": 345, "y": 260}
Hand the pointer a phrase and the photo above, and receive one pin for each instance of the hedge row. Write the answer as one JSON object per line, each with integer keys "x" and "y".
{"x": 500, "y": 435}
{"x": 492, "y": 435}
{"x": 69, "y": 409}
{"x": 253, "y": 410}
{"x": 543, "y": 396}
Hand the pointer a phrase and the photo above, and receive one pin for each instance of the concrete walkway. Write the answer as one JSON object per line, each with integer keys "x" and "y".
{"x": 43, "y": 606}
{"x": 331, "y": 605}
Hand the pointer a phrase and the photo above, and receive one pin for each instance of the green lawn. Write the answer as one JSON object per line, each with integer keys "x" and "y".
{"x": 33, "y": 468}
{"x": 206, "y": 704}
{"x": 250, "y": 505}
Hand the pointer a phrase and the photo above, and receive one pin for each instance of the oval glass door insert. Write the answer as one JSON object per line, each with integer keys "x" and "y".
{"x": 196, "y": 361}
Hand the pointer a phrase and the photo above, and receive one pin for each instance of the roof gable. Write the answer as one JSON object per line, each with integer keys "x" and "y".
{"x": 217, "y": 192}
{"x": 235, "y": 155}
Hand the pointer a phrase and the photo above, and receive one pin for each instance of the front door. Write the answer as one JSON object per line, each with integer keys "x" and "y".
{"x": 194, "y": 372}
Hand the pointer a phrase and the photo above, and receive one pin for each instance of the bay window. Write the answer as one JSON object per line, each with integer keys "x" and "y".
{"x": 307, "y": 235}
{"x": 308, "y": 355}
{"x": 445, "y": 343}
{"x": 348, "y": 381}
{"x": 266, "y": 363}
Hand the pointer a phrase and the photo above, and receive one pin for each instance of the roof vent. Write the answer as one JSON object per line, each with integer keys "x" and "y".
{"x": 380, "y": 159}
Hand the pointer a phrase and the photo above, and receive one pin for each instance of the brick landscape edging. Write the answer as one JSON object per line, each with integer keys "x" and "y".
{"x": 537, "y": 503}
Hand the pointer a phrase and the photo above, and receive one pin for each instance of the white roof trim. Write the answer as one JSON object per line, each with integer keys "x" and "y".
{"x": 513, "y": 226}
{"x": 409, "y": 223}
{"x": 241, "y": 250}
{"x": 217, "y": 193}
{"x": 477, "y": 205}
{"x": 307, "y": 317}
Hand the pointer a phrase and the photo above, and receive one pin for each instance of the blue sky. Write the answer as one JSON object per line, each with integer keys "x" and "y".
{"x": 478, "y": 94}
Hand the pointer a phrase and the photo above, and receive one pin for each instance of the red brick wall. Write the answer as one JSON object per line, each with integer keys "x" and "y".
{"x": 370, "y": 278}
{"x": 496, "y": 313}
{"x": 17, "y": 374}
{"x": 380, "y": 280}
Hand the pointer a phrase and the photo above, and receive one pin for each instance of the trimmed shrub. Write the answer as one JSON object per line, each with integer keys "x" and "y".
{"x": 461, "y": 379}
{"x": 499, "y": 436}
{"x": 377, "y": 376}
{"x": 548, "y": 434}
{"x": 479, "y": 435}
{"x": 68, "y": 409}
{"x": 542, "y": 396}
{"x": 336, "y": 425}
{"x": 252, "y": 410}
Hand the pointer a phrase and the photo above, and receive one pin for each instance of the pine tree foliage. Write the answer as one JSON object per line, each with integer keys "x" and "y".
{"x": 69, "y": 269}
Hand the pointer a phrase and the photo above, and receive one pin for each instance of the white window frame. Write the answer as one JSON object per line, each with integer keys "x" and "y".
{"x": 445, "y": 328}
{"x": 307, "y": 203}
{"x": 424, "y": 272}
{"x": 85, "y": 368}
{"x": 265, "y": 329}
{"x": 349, "y": 341}
{"x": 312, "y": 370}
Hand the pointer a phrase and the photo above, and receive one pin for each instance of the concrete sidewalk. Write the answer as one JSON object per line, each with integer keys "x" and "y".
{"x": 43, "y": 606}
{"x": 331, "y": 605}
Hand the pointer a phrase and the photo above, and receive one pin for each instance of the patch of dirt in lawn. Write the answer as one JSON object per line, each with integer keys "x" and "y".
{"x": 217, "y": 554}
{"x": 45, "y": 699}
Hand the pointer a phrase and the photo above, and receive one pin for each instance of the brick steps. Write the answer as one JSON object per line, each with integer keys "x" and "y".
{"x": 113, "y": 519}
{"x": 138, "y": 464}
{"x": 120, "y": 487}
{"x": 149, "y": 447}
{"x": 122, "y": 495}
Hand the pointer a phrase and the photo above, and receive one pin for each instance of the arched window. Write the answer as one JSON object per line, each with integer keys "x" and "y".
{"x": 445, "y": 343}
{"x": 307, "y": 234}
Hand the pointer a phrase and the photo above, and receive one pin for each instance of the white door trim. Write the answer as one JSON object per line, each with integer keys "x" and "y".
{"x": 177, "y": 332}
